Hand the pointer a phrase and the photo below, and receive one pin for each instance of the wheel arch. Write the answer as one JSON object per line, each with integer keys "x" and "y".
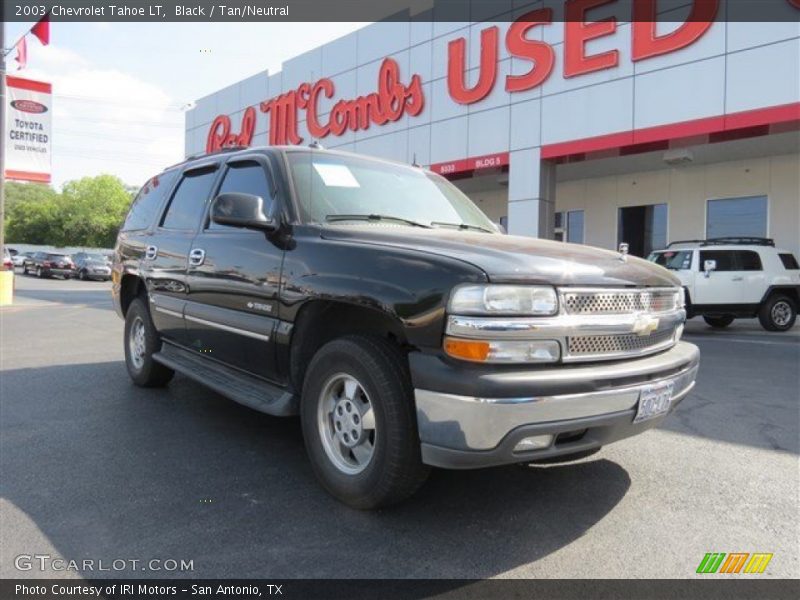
{"x": 131, "y": 286}
{"x": 321, "y": 321}
{"x": 792, "y": 291}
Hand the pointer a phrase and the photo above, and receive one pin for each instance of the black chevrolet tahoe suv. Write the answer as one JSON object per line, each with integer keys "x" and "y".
{"x": 379, "y": 304}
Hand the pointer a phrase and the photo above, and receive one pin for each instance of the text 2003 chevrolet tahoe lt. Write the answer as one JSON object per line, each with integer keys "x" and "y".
{"x": 378, "y": 303}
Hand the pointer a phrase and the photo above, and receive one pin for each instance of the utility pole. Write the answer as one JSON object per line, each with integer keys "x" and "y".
{"x": 3, "y": 93}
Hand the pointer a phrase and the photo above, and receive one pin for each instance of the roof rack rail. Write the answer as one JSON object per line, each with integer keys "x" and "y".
{"x": 728, "y": 241}
{"x": 220, "y": 151}
{"x": 197, "y": 155}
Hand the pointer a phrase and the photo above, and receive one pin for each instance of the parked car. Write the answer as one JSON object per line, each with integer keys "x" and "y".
{"x": 8, "y": 264}
{"x": 380, "y": 304}
{"x": 735, "y": 277}
{"x": 48, "y": 264}
{"x": 18, "y": 259}
{"x": 92, "y": 265}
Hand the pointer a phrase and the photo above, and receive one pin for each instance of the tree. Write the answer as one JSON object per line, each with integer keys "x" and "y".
{"x": 94, "y": 208}
{"x": 88, "y": 212}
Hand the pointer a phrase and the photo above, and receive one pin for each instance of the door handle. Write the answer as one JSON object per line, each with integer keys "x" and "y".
{"x": 196, "y": 257}
{"x": 738, "y": 279}
{"x": 151, "y": 253}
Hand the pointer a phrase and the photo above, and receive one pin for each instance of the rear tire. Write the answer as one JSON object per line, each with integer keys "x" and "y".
{"x": 359, "y": 424}
{"x": 778, "y": 313}
{"x": 141, "y": 342}
{"x": 719, "y": 322}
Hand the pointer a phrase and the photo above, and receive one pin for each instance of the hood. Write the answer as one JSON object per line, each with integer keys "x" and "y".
{"x": 510, "y": 258}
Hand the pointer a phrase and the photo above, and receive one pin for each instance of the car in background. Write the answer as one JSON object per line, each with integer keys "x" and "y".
{"x": 92, "y": 265}
{"x": 19, "y": 259}
{"x": 736, "y": 278}
{"x": 48, "y": 264}
{"x": 8, "y": 265}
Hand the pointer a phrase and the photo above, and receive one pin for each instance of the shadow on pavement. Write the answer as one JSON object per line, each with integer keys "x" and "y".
{"x": 107, "y": 470}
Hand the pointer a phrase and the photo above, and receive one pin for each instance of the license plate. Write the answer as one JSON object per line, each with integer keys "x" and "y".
{"x": 654, "y": 400}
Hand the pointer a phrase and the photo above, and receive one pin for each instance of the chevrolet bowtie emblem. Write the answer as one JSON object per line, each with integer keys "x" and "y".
{"x": 645, "y": 325}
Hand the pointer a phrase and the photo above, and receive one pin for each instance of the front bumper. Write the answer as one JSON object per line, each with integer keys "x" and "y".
{"x": 471, "y": 418}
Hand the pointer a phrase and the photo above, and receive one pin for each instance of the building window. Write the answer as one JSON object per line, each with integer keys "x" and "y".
{"x": 569, "y": 226}
{"x": 737, "y": 217}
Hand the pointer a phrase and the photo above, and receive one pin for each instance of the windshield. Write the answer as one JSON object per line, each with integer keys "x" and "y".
{"x": 346, "y": 189}
{"x": 671, "y": 259}
{"x": 94, "y": 257}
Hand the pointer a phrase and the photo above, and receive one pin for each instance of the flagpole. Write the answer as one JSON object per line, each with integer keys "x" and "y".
{"x": 2, "y": 132}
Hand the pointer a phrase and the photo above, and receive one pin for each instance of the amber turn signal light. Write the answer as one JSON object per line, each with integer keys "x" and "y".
{"x": 473, "y": 350}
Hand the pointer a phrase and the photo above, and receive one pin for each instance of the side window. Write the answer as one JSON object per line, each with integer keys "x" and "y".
{"x": 789, "y": 261}
{"x": 189, "y": 200}
{"x": 148, "y": 201}
{"x": 749, "y": 261}
{"x": 247, "y": 177}
{"x": 725, "y": 259}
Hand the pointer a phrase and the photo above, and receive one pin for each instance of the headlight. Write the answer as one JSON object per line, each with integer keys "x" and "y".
{"x": 503, "y": 300}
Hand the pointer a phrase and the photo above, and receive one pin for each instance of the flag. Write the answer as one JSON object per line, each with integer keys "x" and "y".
{"x": 22, "y": 53}
{"x": 42, "y": 29}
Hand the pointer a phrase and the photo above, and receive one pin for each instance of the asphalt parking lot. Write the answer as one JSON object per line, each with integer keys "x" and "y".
{"x": 95, "y": 468}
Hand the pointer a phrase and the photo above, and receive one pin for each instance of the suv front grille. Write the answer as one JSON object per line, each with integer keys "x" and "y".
{"x": 611, "y": 345}
{"x": 612, "y": 302}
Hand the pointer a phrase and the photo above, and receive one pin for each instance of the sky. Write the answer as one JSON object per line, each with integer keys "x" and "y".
{"x": 120, "y": 89}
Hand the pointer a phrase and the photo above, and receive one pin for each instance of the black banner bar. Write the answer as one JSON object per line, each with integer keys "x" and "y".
{"x": 716, "y": 588}
{"x": 391, "y": 10}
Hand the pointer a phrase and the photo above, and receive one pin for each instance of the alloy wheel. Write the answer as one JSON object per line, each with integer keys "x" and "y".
{"x": 346, "y": 423}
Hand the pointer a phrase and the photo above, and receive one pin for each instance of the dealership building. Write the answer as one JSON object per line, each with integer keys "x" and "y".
{"x": 594, "y": 131}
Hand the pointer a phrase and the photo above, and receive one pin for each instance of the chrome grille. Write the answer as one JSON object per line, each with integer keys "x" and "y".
{"x": 609, "y": 345}
{"x": 613, "y": 302}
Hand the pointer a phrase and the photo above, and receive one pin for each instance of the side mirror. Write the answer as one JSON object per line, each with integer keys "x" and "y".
{"x": 241, "y": 210}
{"x": 708, "y": 266}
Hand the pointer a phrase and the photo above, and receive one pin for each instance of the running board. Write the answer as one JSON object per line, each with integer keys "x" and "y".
{"x": 236, "y": 385}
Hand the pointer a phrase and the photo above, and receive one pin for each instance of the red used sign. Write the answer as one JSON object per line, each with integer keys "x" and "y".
{"x": 393, "y": 98}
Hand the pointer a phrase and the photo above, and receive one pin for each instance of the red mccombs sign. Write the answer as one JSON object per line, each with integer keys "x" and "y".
{"x": 393, "y": 98}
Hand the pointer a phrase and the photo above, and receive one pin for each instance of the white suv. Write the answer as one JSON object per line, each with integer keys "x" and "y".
{"x": 728, "y": 278}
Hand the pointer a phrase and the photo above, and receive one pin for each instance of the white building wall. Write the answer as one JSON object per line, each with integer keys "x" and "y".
{"x": 733, "y": 67}
{"x": 686, "y": 191}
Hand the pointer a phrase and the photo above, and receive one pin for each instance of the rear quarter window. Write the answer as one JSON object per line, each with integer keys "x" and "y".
{"x": 148, "y": 201}
{"x": 789, "y": 261}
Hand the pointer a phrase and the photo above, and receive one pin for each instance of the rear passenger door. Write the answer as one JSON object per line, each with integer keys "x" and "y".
{"x": 234, "y": 277}
{"x": 167, "y": 250}
{"x": 750, "y": 276}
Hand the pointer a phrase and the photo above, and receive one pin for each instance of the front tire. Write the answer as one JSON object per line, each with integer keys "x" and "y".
{"x": 141, "y": 342}
{"x": 82, "y": 275}
{"x": 778, "y": 313}
{"x": 719, "y": 322}
{"x": 39, "y": 273}
{"x": 359, "y": 425}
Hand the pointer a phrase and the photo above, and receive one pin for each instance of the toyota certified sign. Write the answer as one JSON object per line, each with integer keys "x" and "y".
{"x": 28, "y": 142}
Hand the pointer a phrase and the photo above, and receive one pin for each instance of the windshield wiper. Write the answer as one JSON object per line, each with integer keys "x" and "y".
{"x": 462, "y": 226}
{"x": 374, "y": 217}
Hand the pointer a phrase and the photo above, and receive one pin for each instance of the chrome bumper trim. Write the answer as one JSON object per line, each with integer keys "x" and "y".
{"x": 473, "y": 423}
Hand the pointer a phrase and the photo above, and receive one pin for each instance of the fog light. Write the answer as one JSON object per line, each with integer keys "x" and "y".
{"x": 535, "y": 442}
